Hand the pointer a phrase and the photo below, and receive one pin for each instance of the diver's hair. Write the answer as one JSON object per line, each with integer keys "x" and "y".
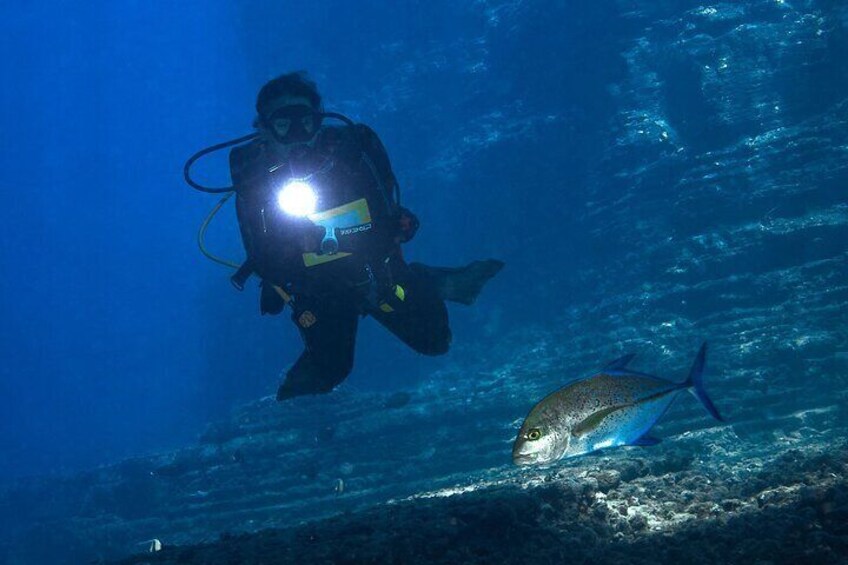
{"x": 297, "y": 83}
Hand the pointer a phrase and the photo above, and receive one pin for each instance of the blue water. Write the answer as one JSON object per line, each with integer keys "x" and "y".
{"x": 118, "y": 336}
{"x": 598, "y": 148}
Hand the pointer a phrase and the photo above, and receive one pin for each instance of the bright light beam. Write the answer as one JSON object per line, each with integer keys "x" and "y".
{"x": 297, "y": 198}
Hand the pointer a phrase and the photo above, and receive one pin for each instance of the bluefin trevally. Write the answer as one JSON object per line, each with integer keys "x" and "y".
{"x": 617, "y": 406}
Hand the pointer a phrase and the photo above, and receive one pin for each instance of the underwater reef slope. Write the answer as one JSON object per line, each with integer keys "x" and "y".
{"x": 716, "y": 210}
{"x": 374, "y": 477}
{"x": 705, "y": 498}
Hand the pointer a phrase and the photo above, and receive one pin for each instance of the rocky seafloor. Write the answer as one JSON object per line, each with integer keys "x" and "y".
{"x": 705, "y": 497}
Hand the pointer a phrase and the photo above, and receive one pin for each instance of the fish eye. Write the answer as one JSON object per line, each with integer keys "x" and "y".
{"x": 534, "y": 434}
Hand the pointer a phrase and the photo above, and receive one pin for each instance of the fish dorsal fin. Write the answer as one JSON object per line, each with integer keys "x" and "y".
{"x": 594, "y": 419}
{"x": 619, "y": 363}
{"x": 627, "y": 373}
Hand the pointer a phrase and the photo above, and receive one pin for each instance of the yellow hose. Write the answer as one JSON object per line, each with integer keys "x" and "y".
{"x": 201, "y": 235}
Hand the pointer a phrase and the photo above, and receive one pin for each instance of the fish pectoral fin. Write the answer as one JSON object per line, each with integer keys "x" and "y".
{"x": 595, "y": 418}
{"x": 646, "y": 441}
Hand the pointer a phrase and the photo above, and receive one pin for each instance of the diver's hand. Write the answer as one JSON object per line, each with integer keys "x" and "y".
{"x": 313, "y": 235}
{"x": 407, "y": 225}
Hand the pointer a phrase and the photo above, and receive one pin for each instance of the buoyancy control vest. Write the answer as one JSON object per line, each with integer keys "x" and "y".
{"x": 349, "y": 171}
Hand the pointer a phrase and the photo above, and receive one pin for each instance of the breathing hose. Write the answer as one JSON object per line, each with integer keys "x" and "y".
{"x": 212, "y": 149}
{"x": 227, "y": 191}
{"x": 201, "y": 234}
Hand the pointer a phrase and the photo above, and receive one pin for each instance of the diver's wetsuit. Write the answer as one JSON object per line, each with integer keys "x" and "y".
{"x": 349, "y": 169}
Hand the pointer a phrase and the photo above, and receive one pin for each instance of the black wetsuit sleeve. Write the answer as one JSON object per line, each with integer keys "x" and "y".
{"x": 404, "y": 222}
{"x": 248, "y": 207}
{"x": 379, "y": 158}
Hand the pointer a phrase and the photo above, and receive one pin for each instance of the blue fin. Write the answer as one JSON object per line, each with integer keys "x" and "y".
{"x": 619, "y": 363}
{"x": 695, "y": 383}
{"x": 646, "y": 441}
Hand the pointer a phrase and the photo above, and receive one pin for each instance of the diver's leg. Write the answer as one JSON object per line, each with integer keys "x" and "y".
{"x": 421, "y": 319}
{"x": 328, "y": 329}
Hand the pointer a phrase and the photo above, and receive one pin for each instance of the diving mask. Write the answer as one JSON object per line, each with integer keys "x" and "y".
{"x": 294, "y": 124}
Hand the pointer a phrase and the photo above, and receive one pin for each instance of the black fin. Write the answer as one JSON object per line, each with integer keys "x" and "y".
{"x": 270, "y": 302}
{"x": 461, "y": 284}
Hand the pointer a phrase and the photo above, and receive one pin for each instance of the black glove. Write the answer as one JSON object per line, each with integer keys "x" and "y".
{"x": 270, "y": 302}
{"x": 407, "y": 225}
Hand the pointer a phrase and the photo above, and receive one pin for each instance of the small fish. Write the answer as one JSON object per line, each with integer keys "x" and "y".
{"x": 617, "y": 406}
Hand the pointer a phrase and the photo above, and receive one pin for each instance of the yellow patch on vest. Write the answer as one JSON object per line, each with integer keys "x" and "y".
{"x": 348, "y": 215}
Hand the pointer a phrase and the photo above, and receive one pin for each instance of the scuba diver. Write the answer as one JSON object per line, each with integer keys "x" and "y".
{"x": 319, "y": 212}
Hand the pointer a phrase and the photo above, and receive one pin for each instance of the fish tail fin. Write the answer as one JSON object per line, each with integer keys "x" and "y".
{"x": 695, "y": 383}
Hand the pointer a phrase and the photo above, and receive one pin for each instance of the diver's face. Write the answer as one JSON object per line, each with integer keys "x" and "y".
{"x": 292, "y": 120}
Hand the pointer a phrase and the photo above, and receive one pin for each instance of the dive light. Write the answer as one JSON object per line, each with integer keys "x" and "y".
{"x": 297, "y": 198}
